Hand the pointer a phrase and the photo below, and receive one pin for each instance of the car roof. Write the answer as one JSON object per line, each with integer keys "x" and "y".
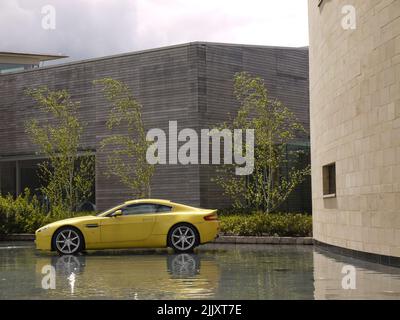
{"x": 158, "y": 201}
{"x": 178, "y": 206}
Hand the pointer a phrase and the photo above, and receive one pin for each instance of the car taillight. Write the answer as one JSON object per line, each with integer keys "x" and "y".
{"x": 211, "y": 217}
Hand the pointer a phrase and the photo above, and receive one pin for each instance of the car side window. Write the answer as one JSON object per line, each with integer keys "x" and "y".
{"x": 139, "y": 209}
{"x": 161, "y": 208}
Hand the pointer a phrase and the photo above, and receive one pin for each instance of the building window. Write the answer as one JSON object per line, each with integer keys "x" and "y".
{"x": 16, "y": 175}
{"x": 329, "y": 180}
{"x": 8, "y": 178}
{"x": 12, "y": 67}
{"x": 29, "y": 176}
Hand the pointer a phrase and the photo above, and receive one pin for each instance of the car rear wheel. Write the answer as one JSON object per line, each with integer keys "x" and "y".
{"x": 183, "y": 238}
{"x": 68, "y": 240}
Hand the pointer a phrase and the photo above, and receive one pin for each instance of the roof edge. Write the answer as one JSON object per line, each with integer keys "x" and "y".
{"x": 181, "y": 45}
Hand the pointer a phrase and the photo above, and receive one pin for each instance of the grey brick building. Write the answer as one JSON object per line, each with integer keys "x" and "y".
{"x": 190, "y": 83}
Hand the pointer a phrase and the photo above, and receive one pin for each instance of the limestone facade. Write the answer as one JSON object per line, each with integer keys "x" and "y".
{"x": 355, "y": 122}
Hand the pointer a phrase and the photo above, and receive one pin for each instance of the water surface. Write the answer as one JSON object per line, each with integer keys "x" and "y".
{"x": 212, "y": 272}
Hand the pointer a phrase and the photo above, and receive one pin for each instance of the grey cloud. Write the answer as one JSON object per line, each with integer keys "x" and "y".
{"x": 88, "y": 29}
{"x": 94, "y": 28}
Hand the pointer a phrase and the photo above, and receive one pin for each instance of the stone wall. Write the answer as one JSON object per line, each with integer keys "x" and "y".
{"x": 355, "y": 123}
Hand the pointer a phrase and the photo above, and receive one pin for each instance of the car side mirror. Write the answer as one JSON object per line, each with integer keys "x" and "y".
{"x": 117, "y": 213}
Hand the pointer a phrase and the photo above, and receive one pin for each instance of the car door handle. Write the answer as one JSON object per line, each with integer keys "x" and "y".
{"x": 147, "y": 219}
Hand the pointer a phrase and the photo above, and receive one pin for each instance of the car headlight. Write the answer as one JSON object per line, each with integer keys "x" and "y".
{"x": 43, "y": 229}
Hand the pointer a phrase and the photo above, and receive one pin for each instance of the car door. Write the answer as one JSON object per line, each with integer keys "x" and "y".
{"x": 135, "y": 224}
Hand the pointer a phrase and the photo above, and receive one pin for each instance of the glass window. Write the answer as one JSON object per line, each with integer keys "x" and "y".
{"x": 145, "y": 208}
{"x": 139, "y": 209}
{"x": 8, "y": 178}
{"x": 29, "y": 176}
{"x": 329, "y": 179}
{"x": 108, "y": 212}
{"x": 161, "y": 208}
{"x": 13, "y": 67}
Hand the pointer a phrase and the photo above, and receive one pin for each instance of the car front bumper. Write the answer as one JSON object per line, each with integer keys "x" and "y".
{"x": 43, "y": 241}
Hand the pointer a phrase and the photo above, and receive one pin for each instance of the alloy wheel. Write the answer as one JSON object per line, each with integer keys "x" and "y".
{"x": 68, "y": 241}
{"x": 183, "y": 238}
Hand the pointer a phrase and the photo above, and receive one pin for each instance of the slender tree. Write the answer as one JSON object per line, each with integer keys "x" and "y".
{"x": 67, "y": 174}
{"x": 275, "y": 127}
{"x": 126, "y": 158}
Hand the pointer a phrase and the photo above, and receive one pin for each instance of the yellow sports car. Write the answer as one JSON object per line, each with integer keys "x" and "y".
{"x": 145, "y": 223}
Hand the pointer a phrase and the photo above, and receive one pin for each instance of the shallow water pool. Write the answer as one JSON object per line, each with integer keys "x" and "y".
{"x": 214, "y": 271}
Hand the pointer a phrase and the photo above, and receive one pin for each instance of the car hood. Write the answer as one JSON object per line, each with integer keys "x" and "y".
{"x": 71, "y": 221}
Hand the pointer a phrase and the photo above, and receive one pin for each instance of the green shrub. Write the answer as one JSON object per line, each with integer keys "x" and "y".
{"x": 20, "y": 215}
{"x": 24, "y": 214}
{"x": 273, "y": 224}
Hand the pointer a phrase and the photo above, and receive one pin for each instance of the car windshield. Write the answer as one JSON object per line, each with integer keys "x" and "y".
{"x": 108, "y": 211}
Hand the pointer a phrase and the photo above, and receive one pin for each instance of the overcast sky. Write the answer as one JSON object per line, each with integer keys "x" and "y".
{"x": 95, "y": 28}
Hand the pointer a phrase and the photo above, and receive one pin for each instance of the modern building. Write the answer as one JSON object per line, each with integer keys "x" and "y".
{"x": 13, "y": 61}
{"x": 189, "y": 83}
{"x": 355, "y": 126}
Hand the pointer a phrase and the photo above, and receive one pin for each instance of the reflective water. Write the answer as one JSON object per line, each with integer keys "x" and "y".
{"x": 212, "y": 272}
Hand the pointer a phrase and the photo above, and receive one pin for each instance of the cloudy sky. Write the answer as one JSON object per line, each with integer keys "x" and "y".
{"x": 95, "y": 28}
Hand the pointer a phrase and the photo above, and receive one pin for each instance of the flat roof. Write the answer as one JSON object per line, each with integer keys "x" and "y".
{"x": 36, "y": 56}
{"x": 138, "y": 52}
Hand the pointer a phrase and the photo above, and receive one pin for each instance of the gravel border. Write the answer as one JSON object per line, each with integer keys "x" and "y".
{"x": 220, "y": 239}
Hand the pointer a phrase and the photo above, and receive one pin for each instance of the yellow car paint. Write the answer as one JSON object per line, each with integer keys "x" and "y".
{"x": 146, "y": 230}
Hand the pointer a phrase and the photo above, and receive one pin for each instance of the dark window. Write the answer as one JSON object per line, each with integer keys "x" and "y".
{"x": 329, "y": 179}
{"x": 139, "y": 209}
{"x": 161, "y": 208}
{"x": 145, "y": 208}
{"x": 8, "y": 178}
{"x": 30, "y": 177}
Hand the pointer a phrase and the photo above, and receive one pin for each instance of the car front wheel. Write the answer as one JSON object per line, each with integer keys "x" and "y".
{"x": 68, "y": 241}
{"x": 183, "y": 238}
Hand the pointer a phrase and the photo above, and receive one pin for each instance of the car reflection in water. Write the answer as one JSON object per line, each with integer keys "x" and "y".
{"x": 216, "y": 271}
{"x": 135, "y": 276}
